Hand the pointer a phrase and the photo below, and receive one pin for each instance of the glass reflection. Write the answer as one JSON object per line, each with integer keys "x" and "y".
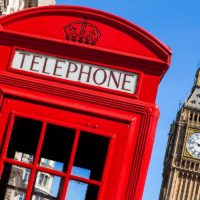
{"x": 62, "y": 138}
{"x": 13, "y": 183}
{"x": 47, "y": 186}
{"x": 81, "y": 191}
{"x": 90, "y": 156}
{"x": 24, "y": 139}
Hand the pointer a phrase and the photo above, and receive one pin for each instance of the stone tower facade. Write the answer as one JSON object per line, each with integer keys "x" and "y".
{"x": 10, "y": 6}
{"x": 181, "y": 175}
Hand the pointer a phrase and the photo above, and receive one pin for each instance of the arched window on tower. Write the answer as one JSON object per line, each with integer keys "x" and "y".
{"x": 26, "y": 175}
{"x": 43, "y": 179}
{"x": 21, "y": 196}
{"x": 191, "y": 116}
{"x": 31, "y": 3}
{"x": 195, "y": 117}
{"x": 6, "y": 2}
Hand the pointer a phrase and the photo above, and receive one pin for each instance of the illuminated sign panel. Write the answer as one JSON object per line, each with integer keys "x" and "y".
{"x": 75, "y": 71}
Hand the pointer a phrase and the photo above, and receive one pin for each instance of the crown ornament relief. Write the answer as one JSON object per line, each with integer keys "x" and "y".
{"x": 82, "y": 32}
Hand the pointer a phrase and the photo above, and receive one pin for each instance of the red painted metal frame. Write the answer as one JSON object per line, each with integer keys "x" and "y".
{"x": 22, "y": 109}
{"x": 122, "y": 46}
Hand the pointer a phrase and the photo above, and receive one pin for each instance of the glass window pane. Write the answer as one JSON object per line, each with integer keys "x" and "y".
{"x": 13, "y": 183}
{"x": 46, "y": 186}
{"x": 57, "y": 147}
{"x": 79, "y": 171}
{"x": 90, "y": 156}
{"x": 81, "y": 191}
{"x": 24, "y": 139}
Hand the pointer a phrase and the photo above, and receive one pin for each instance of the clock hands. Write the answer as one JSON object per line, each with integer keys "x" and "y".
{"x": 198, "y": 143}
{"x": 193, "y": 145}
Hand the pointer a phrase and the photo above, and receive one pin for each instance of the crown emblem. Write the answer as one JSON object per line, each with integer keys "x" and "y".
{"x": 82, "y": 32}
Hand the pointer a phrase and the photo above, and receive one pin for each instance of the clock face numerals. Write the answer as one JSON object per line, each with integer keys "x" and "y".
{"x": 193, "y": 145}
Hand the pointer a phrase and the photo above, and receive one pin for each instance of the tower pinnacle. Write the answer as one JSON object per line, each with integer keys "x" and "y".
{"x": 197, "y": 80}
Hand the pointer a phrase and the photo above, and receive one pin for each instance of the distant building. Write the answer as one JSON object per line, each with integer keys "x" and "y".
{"x": 19, "y": 177}
{"x": 10, "y": 6}
{"x": 181, "y": 175}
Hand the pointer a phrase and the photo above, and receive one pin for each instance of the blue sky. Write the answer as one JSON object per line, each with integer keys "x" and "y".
{"x": 177, "y": 24}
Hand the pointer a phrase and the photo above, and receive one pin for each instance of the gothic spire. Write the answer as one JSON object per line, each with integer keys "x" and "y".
{"x": 197, "y": 78}
{"x": 194, "y": 98}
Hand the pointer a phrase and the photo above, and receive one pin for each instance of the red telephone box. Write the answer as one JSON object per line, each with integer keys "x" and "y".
{"x": 78, "y": 112}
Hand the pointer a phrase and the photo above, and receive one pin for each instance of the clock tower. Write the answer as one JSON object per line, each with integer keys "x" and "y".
{"x": 181, "y": 174}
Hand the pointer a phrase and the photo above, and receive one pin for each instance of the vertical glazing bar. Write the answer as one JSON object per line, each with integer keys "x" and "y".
{"x": 35, "y": 162}
{"x": 39, "y": 147}
{"x": 106, "y": 166}
{"x": 71, "y": 161}
{"x": 6, "y": 143}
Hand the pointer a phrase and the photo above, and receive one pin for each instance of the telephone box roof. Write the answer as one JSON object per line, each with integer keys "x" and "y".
{"x": 107, "y": 32}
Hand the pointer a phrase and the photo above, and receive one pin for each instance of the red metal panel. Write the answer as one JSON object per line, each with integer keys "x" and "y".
{"x": 116, "y": 34}
{"x": 47, "y": 115}
{"x": 128, "y": 120}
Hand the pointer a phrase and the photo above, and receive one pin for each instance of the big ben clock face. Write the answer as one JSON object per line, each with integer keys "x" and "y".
{"x": 193, "y": 145}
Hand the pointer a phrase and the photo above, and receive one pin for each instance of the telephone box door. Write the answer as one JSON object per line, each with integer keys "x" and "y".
{"x": 54, "y": 154}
